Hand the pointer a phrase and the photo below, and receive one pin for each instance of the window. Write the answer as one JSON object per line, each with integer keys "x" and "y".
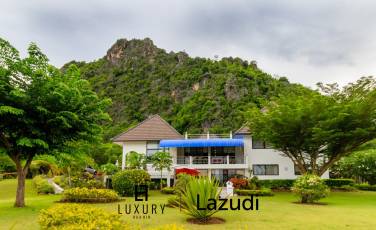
{"x": 297, "y": 170}
{"x": 153, "y": 147}
{"x": 265, "y": 170}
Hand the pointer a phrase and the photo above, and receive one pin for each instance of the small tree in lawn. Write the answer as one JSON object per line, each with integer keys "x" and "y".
{"x": 41, "y": 109}
{"x": 315, "y": 129}
{"x": 162, "y": 160}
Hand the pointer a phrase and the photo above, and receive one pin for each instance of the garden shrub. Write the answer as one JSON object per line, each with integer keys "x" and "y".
{"x": 310, "y": 188}
{"x": 365, "y": 187}
{"x": 284, "y": 184}
{"x": 168, "y": 190}
{"x": 206, "y": 189}
{"x": 181, "y": 182}
{"x": 338, "y": 182}
{"x": 6, "y": 164}
{"x": 83, "y": 195}
{"x": 79, "y": 217}
{"x": 239, "y": 183}
{"x": 86, "y": 180}
{"x": 260, "y": 192}
{"x": 124, "y": 181}
{"x": 173, "y": 201}
{"x": 254, "y": 183}
{"x": 61, "y": 181}
{"x": 345, "y": 188}
{"x": 42, "y": 185}
{"x": 109, "y": 168}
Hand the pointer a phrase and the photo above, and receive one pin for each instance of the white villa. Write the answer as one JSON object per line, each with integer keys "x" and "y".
{"x": 215, "y": 155}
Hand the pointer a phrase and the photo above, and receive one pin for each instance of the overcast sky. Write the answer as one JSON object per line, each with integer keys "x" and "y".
{"x": 327, "y": 41}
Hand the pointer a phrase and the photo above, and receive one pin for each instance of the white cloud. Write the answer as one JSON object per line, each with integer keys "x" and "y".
{"x": 306, "y": 41}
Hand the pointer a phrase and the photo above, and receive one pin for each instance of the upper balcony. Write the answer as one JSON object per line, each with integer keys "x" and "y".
{"x": 207, "y": 136}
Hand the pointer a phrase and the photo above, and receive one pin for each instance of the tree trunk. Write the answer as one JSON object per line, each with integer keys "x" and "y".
{"x": 161, "y": 180}
{"x": 21, "y": 176}
{"x": 20, "y": 194}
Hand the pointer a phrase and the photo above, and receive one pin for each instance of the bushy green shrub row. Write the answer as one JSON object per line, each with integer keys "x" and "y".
{"x": 168, "y": 190}
{"x": 86, "y": 180}
{"x": 247, "y": 192}
{"x": 123, "y": 182}
{"x": 365, "y": 187}
{"x": 277, "y": 183}
{"x": 83, "y": 195}
{"x": 42, "y": 185}
{"x": 338, "y": 182}
{"x": 79, "y": 217}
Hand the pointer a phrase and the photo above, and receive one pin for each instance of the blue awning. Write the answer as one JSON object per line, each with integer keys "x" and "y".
{"x": 223, "y": 142}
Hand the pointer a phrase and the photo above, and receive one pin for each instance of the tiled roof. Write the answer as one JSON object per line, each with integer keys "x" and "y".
{"x": 243, "y": 130}
{"x": 153, "y": 128}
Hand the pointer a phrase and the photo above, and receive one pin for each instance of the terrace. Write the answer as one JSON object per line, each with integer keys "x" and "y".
{"x": 208, "y": 149}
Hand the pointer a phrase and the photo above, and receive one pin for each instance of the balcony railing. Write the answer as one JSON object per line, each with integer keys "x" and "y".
{"x": 197, "y": 160}
{"x": 207, "y": 136}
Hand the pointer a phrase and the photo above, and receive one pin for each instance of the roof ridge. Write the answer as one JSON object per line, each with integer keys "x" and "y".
{"x": 144, "y": 121}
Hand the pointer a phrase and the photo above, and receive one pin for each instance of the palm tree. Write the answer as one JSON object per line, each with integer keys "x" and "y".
{"x": 136, "y": 160}
{"x": 162, "y": 160}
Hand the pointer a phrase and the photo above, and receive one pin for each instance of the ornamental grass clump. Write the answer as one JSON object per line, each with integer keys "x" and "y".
{"x": 79, "y": 217}
{"x": 85, "y": 195}
{"x": 310, "y": 188}
{"x": 199, "y": 192}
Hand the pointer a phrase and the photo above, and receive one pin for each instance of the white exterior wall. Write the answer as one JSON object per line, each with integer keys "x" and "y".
{"x": 271, "y": 156}
{"x": 253, "y": 156}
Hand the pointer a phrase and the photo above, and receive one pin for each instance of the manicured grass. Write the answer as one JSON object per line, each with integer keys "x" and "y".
{"x": 344, "y": 210}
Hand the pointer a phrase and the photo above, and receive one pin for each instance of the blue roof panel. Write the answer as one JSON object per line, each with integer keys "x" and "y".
{"x": 223, "y": 142}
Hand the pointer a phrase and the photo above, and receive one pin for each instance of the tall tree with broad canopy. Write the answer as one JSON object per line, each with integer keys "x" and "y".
{"x": 315, "y": 129}
{"x": 41, "y": 108}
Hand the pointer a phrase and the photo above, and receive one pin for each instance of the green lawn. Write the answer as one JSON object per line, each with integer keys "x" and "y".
{"x": 344, "y": 210}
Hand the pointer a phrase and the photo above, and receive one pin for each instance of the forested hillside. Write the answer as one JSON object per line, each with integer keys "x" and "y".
{"x": 193, "y": 94}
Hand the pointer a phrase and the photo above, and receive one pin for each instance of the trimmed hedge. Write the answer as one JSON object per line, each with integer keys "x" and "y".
{"x": 79, "y": 217}
{"x": 123, "y": 182}
{"x": 365, "y": 187}
{"x": 42, "y": 185}
{"x": 277, "y": 183}
{"x": 337, "y": 183}
{"x": 85, "y": 195}
{"x": 261, "y": 192}
{"x": 168, "y": 190}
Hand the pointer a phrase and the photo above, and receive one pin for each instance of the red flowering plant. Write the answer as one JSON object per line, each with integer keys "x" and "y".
{"x": 192, "y": 172}
{"x": 239, "y": 183}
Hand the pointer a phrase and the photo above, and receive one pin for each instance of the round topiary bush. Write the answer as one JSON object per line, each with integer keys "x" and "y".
{"x": 123, "y": 182}
{"x": 310, "y": 188}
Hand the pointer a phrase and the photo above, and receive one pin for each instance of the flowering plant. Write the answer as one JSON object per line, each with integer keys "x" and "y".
{"x": 310, "y": 188}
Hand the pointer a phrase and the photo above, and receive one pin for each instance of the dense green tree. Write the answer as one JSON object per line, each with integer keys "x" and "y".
{"x": 41, "y": 109}
{"x": 160, "y": 161}
{"x": 317, "y": 129}
{"x": 360, "y": 165}
{"x": 135, "y": 160}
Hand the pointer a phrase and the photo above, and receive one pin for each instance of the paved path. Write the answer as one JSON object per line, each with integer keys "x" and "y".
{"x": 56, "y": 187}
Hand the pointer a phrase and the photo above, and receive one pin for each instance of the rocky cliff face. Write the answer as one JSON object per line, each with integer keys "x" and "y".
{"x": 124, "y": 50}
{"x": 193, "y": 94}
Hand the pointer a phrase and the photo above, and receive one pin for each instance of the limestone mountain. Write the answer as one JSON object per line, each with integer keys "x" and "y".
{"x": 193, "y": 94}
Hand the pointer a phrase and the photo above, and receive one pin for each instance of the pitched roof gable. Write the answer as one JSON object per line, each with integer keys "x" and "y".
{"x": 243, "y": 130}
{"x": 153, "y": 128}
